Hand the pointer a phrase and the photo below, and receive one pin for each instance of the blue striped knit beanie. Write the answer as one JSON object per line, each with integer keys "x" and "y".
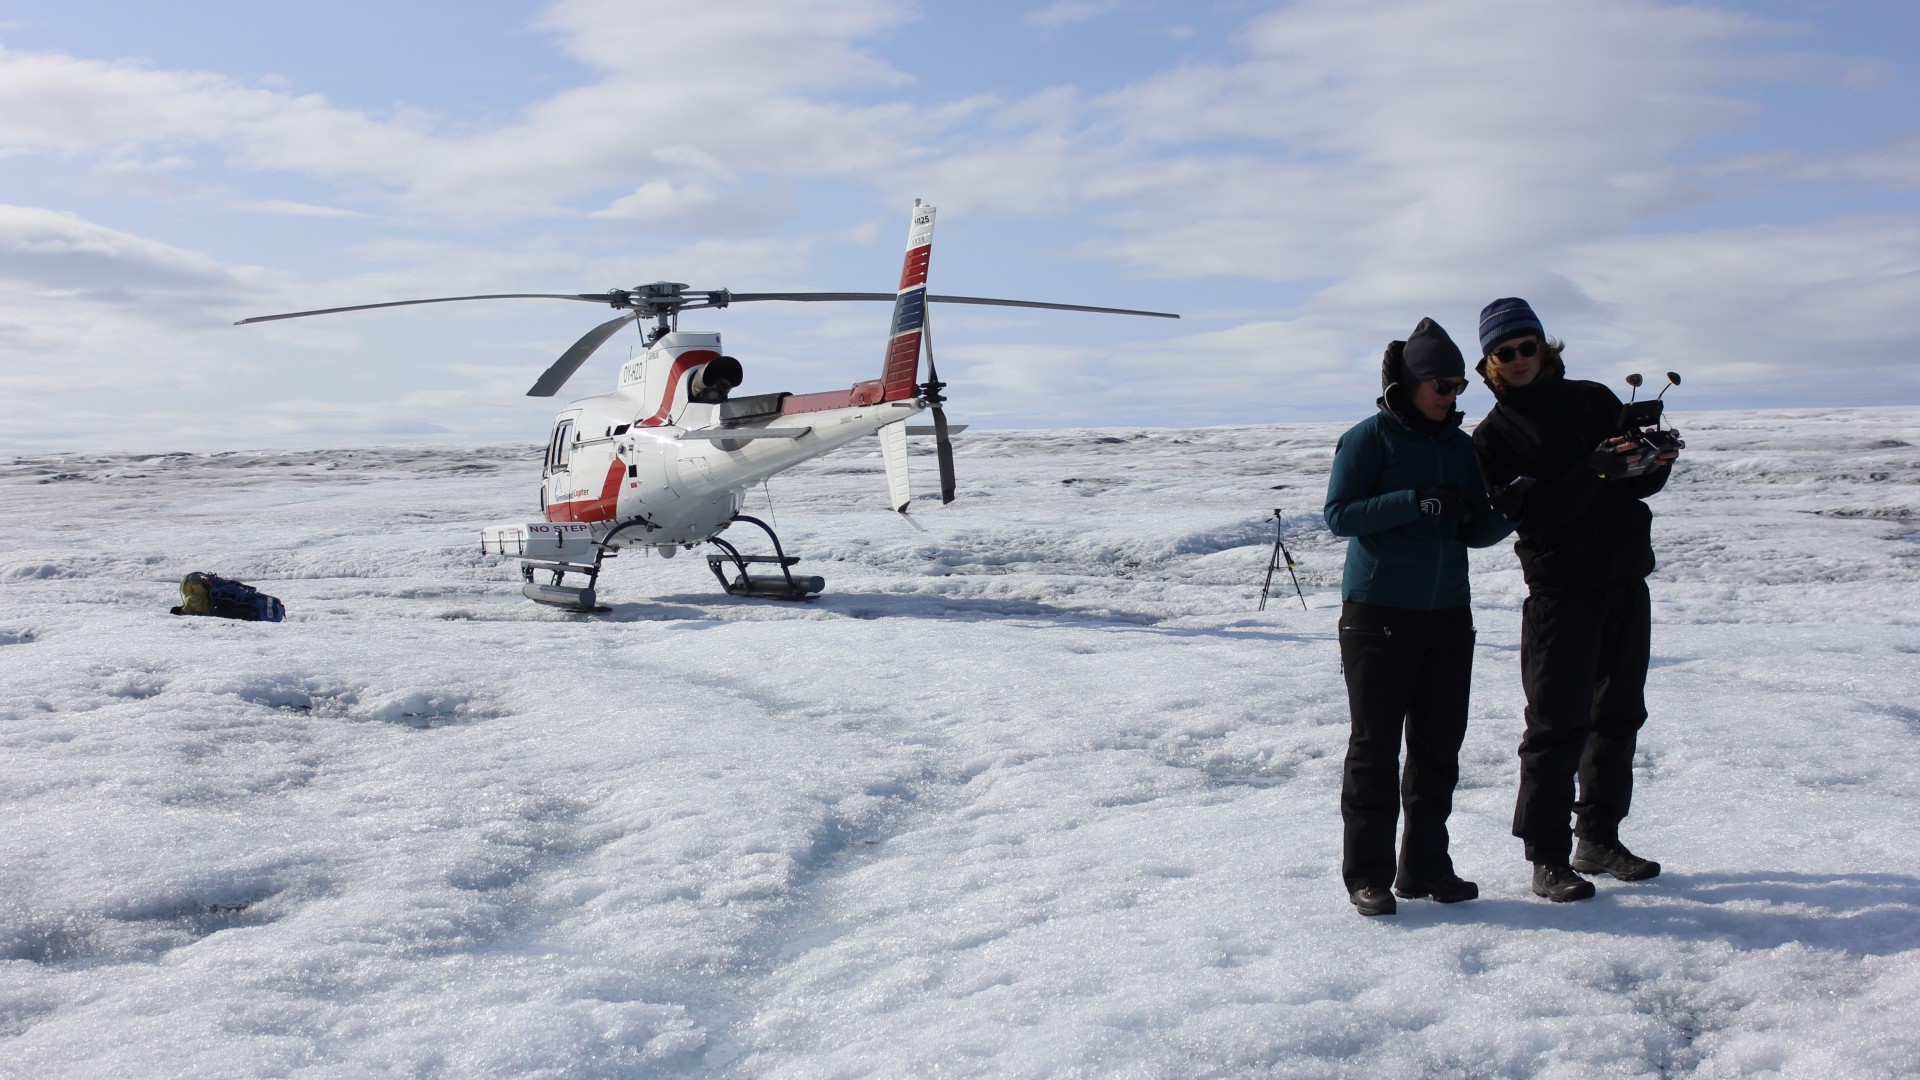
{"x": 1507, "y": 318}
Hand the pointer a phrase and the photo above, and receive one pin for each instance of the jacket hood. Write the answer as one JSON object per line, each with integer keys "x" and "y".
{"x": 1428, "y": 353}
{"x": 1397, "y": 402}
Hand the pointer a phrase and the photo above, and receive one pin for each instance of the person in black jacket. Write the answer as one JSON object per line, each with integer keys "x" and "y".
{"x": 1406, "y": 490}
{"x": 1554, "y": 461}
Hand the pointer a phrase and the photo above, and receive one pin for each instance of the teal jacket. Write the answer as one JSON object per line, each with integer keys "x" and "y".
{"x": 1397, "y": 557}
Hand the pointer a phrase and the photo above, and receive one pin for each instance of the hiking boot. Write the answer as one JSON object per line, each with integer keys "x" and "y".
{"x": 1449, "y": 888}
{"x": 1612, "y": 857}
{"x": 1558, "y": 883}
{"x": 1373, "y": 900}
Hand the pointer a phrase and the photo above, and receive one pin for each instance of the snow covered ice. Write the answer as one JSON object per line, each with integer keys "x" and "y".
{"x": 1036, "y": 793}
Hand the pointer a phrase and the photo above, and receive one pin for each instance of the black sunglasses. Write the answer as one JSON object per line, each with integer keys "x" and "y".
{"x": 1449, "y": 387}
{"x": 1506, "y": 353}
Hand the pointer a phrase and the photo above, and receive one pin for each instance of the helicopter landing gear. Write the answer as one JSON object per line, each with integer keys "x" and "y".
{"x": 785, "y": 586}
{"x": 556, "y": 594}
{"x": 555, "y": 548}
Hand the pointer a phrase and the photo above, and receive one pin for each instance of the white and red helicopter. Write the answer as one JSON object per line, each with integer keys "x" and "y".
{"x": 665, "y": 459}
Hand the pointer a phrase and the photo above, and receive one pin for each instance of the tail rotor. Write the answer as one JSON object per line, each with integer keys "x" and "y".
{"x": 930, "y": 392}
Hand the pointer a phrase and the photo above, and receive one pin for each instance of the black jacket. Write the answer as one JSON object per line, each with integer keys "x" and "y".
{"x": 1577, "y": 531}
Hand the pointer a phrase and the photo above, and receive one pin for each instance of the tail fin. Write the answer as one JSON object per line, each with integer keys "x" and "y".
{"x": 902, "y": 367}
{"x": 893, "y": 452}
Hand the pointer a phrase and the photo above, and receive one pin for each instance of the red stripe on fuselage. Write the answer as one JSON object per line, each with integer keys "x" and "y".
{"x": 599, "y": 509}
{"x": 686, "y": 362}
{"x": 866, "y": 393}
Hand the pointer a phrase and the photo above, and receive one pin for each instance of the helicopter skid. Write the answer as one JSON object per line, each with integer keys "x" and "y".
{"x": 563, "y": 596}
{"x": 556, "y": 549}
{"x": 556, "y": 593}
{"x": 784, "y": 586}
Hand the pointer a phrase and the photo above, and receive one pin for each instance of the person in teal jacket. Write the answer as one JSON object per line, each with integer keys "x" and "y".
{"x": 1406, "y": 492}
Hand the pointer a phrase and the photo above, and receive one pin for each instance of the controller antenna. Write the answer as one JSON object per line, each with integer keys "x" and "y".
{"x": 1673, "y": 379}
{"x": 1634, "y": 380}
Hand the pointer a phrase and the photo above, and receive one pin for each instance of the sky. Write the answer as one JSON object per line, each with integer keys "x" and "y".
{"x": 1727, "y": 190}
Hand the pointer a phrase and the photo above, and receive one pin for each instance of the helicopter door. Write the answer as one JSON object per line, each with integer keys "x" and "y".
{"x": 559, "y": 485}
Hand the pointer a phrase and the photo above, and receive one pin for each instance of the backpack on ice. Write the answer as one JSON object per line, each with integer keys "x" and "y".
{"x": 225, "y": 598}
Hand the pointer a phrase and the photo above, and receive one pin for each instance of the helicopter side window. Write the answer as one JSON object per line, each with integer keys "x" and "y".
{"x": 561, "y": 448}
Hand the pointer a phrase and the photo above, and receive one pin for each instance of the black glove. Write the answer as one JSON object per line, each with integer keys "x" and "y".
{"x": 1440, "y": 501}
{"x": 1608, "y": 462}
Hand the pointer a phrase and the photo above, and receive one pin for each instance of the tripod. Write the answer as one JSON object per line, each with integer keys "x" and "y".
{"x": 1280, "y": 552}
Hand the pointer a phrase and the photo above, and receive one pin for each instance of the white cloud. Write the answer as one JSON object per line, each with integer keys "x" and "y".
{"x": 53, "y": 251}
{"x": 1410, "y": 158}
{"x": 1403, "y": 152}
{"x": 102, "y": 330}
{"x": 658, "y": 199}
{"x": 76, "y": 107}
{"x": 1067, "y": 12}
{"x": 291, "y": 208}
{"x": 697, "y": 208}
{"x": 737, "y": 93}
{"x": 1253, "y": 371}
{"x": 759, "y": 46}
{"x": 1896, "y": 166}
{"x": 1480, "y": 129}
{"x": 1770, "y": 313}
{"x": 746, "y": 89}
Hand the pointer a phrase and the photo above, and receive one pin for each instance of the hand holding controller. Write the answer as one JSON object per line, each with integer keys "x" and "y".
{"x": 1642, "y": 445}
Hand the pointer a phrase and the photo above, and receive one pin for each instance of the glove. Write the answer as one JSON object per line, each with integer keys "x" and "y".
{"x": 1440, "y": 501}
{"x": 1608, "y": 461}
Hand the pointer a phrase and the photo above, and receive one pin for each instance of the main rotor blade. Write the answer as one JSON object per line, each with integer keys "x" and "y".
{"x": 1050, "y": 307}
{"x": 552, "y": 379}
{"x": 944, "y": 299}
{"x": 596, "y": 298}
{"x": 737, "y": 297}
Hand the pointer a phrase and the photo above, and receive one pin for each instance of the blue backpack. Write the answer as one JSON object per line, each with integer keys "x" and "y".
{"x": 225, "y": 598}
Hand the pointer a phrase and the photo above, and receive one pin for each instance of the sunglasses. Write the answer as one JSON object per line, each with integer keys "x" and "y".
{"x": 1449, "y": 387}
{"x": 1506, "y": 353}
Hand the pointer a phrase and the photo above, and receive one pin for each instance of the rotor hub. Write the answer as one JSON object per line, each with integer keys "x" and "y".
{"x": 654, "y": 298}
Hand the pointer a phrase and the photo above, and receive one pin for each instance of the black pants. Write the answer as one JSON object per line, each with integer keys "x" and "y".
{"x": 1583, "y": 660}
{"x": 1406, "y": 670}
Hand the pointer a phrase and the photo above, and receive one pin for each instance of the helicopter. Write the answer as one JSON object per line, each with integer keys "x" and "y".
{"x": 665, "y": 459}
